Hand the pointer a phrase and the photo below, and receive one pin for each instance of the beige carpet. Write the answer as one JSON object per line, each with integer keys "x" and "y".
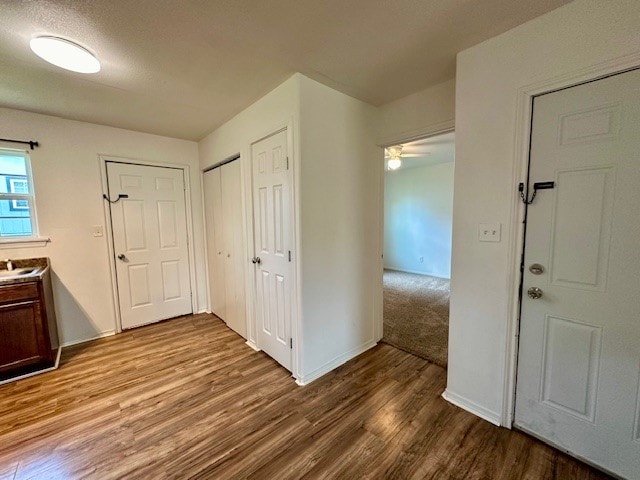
{"x": 416, "y": 314}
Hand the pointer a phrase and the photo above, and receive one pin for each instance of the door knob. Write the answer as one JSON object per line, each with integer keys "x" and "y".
{"x": 122, "y": 257}
{"x": 534, "y": 293}
{"x": 256, "y": 260}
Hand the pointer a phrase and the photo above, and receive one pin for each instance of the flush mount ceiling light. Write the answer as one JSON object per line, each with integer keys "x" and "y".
{"x": 65, "y": 54}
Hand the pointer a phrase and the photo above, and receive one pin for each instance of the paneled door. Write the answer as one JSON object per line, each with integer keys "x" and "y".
{"x": 272, "y": 246}
{"x": 579, "y": 350}
{"x": 150, "y": 242}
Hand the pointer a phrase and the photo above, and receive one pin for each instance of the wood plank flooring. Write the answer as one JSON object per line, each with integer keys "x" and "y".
{"x": 187, "y": 398}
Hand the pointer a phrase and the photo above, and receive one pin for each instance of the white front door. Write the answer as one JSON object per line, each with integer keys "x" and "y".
{"x": 150, "y": 242}
{"x": 272, "y": 246}
{"x": 579, "y": 350}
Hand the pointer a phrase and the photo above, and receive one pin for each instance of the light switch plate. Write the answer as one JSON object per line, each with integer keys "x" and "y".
{"x": 489, "y": 232}
{"x": 97, "y": 230}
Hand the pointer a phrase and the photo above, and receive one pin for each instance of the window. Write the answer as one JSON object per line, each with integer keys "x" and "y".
{"x": 17, "y": 215}
{"x": 19, "y": 185}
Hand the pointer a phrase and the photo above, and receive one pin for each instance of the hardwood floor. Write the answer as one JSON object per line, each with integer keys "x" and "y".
{"x": 188, "y": 399}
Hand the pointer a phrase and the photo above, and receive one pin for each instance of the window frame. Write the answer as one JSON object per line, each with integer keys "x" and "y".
{"x": 21, "y": 197}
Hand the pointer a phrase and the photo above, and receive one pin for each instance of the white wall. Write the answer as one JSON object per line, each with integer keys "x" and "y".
{"x": 561, "y": 44}
{"x": 429, "y": 111}
{"x": 339, "y": 191}
{"x": 69, "y": 202}
{"x": 337, "y": 247}
{"x": 262, "y": 118}
{"x": 418, "y": 214}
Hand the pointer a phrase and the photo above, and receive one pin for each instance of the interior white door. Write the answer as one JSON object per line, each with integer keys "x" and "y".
{"x": 150, "y": 242}
{"x": 579, "y": 354}
{"x": 215, "y": 241}
{"x": 234, "y": 253}
{"x": 225, "y": 244}
{"x": 272, "y": 244}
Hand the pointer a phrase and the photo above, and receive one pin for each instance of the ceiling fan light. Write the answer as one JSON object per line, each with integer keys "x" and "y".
{"x": 65, "y": 54}
{"x": 394, "y": 163}
{"x": 394, "y": 151}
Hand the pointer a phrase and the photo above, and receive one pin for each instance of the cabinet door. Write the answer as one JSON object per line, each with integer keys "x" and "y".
{"x": 24, "y": 340}
{"x": 215, "y": 241}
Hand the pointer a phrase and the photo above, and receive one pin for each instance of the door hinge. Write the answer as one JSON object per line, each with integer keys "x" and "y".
{"x": 291, "y": 343}
{"x": 289, "y": 255}
{"x": 287, "y": 163}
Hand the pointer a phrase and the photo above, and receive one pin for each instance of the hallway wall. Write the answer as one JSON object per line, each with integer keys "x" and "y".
{"x": 418, "y": 213}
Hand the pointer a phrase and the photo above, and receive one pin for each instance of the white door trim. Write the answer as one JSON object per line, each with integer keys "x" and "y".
{"x": 247, "y": 182}
{"x": 515, "y": 240}
{"x": 102, "y": 162}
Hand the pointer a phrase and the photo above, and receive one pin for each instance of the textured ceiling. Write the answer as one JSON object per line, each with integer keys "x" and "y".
{"x": 181, "y": 68}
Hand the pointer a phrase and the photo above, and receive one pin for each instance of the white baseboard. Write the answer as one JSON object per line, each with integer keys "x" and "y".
{"x": 99, "y": 335}
{"x": 472, "y": 407}
{"x": 335, "y": 363}
{"x": 417, "y": 272}
{"x": 252, "y": 345}
{"x": 44, "y": 370}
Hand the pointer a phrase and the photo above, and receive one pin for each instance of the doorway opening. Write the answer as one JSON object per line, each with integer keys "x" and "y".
{"x": 418, "y": 212}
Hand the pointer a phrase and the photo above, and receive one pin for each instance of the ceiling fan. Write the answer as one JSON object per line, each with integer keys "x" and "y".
{"x": 393, "y": 155}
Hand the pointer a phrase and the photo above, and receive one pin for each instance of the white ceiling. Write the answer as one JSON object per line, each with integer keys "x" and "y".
{"x": 181, "y": 68}
{"x": 429, "y": 151}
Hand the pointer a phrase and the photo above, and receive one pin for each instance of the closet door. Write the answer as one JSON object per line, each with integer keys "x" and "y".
{"x": 225, "y": 245}
{"x": 234, "y": 257}
{"x": 215, "y": 241}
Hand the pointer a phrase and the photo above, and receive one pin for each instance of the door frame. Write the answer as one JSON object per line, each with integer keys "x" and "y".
{"x": 520, "y": 174}
{"x": 294, "y": 217}
{"x": 103, "y": 159}
{"x": 420, "y": 134}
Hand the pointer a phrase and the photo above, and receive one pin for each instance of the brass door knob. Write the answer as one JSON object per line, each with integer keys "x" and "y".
{"x": 534, "y": 293}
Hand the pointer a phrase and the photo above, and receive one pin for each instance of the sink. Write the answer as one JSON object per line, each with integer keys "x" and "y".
{"x": 19, "y": 272}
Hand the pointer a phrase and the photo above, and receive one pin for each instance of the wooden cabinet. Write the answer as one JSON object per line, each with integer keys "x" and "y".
{"x": 28, "y": 330}
{"x": 225, "y": 244}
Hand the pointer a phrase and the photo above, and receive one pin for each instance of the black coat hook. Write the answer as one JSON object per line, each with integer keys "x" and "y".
{"x": 120, "y": 196}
